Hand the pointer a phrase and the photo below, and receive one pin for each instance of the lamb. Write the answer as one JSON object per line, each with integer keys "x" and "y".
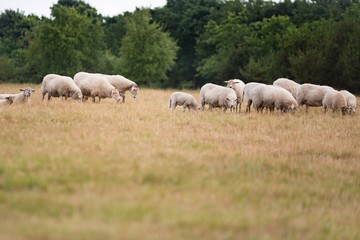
{"x": 183, "y": 99}
{"x": 335, "y": 100}
{"x": 217, "y": 96}
{"x": 272, "y": 97}
{"x": 7, "y": 101}
{"x": 287, "y": 84}
{"x": 350, "y": 100}
{"x": 60, "y": 86}
{"x": 248, "y": 90}
{"x": 311, "y": 95}
{"x": 238, "y": 86}
{"x": 97, "y": 86}
{"x": 22, "y": 97}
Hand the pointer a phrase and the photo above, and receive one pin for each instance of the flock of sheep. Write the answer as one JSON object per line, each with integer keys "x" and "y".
{"x": 83, "y": 86}
{"x": 284, "y": 95}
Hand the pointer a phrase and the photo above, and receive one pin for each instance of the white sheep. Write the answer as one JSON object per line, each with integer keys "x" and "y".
{"x": 122, "y": 84}
{"x": 204, "y": 89}
{"x": 60, "y": 86}
{"x": 97, "y": 86}
{"x": 183, "y": 99}
{"x": 238, "y": 86}
{"x": 248, "y": 90}
{"x": 22, "y": 97}
{"x": 273, "y": 97}
{"x": 217, "y": 96}
{"x": 287, "y": 84}
{"x": 334, "y": 100}
{"x": 311, "y": 95}
{"x": 7, "y": 101}
{"x": 350, "y": 100}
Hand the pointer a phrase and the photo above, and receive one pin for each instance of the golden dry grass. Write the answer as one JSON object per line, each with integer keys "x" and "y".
{"x": 137, "y": 171}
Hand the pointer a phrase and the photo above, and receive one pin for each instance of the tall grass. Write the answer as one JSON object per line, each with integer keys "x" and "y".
{"x": 72, "y": 170}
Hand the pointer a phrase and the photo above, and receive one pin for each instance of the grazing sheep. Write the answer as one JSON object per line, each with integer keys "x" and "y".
{"x": 97, "y": 86}
{"x": 204, "y": 89}
{"x": 183, "y": 99}
{"x": 7, "y": 101}
{"x": 287, "y": 84}
{"x": 248, "y": 89}
{"x": 272, "y": 97}
{"x": 22, "y": 97}
{"x": 311, "y": 95}
{"x": 238, "y": 86}
{"x": 60, "y": 86}
{"x": 217, "y": 96}
{"x": 350, "y": 100}
{"x": 335, "y": 100}
{"x": 122, "y": 84}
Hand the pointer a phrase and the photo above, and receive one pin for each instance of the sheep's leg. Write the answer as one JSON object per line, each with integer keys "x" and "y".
{"x": 49, "y": 97}
{"x": 325, "y": 109}
{"x": 93, "y": 99}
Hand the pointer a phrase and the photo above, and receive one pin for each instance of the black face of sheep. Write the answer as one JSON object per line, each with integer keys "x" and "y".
{"x": 344, "y": 110}
{"x": 10, "y": 99}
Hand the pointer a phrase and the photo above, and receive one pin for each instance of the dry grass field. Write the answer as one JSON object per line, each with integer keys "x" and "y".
{"x": 72, "y": 170}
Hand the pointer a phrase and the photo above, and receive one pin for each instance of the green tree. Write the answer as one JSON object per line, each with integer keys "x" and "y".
{"x": 67, "y": 43}
{"x": 229, "y": 50}
{"x": 147, "y": 52}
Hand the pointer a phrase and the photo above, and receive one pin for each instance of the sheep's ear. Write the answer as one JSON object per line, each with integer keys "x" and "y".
{"x": 21, "y": 89}
{"x": 32, "y": 90}
{"x": 226, "y": 81}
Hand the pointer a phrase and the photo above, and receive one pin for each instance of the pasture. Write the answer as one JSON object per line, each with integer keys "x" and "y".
{"x": 71, "y": 170}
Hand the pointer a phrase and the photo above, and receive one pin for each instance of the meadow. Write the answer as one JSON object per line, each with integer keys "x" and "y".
{"x": 71, "y": 170}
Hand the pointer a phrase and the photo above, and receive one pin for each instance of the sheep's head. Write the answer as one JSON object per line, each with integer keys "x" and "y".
{"x": 231, "y": 102}
{"x": 344, "y": 110}
{"x": 77, "y": 95}
{"x": 351, "y": 109}
{"x": 115, "y": 95}
{"x": 232, "y": 83}
{"x": 27, "y": 91}
{"x": 133, "y": 91}
{"x": 10, "y": 99}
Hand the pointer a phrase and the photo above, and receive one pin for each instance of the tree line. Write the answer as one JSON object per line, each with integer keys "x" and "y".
{"x": 188, "y": 43}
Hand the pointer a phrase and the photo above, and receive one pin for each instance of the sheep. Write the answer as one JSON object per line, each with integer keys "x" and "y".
{"x": 60, "y": 86}
{"x": 287, "y": 84}
{"x": 217, "y": 96}
{"x": 350, "y": 100}
{"x": 122, "y": 84}
{"x": 272, "y": 97}
{"x": 248, "y": 89}
{"x": 7, "y": 101}
{"x": 22, "y": 97}
{"x": 335, "y": 100}
{"x": 97, "y": 86}
{"x": 238, "y": 86}
{"x": 204, "y": 89}
{"x": 183, "y": 99}
{"x": 311, "y": 95}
